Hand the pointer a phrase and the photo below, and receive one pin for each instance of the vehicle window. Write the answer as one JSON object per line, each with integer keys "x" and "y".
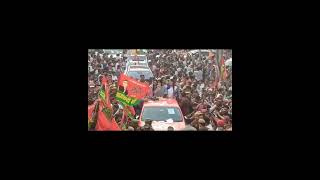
{"x": 141, "y": 67}
{"x": 136, "y": 74}
{"x": 137, "y": 58}
{"x": 161, "y": 114}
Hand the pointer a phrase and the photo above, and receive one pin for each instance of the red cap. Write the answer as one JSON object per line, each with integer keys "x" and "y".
{"x": 220, "y": 123}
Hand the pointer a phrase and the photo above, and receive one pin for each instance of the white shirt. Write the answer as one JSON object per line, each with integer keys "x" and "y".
{"x": 210, "y": 128}
{"x": 170, "y": 92}
{"x": 114, "y": 78}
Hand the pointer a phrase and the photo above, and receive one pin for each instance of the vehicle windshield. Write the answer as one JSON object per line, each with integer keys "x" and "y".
{"x": 138, "y": 67}
{"x": 137, "y": 58}
{"x": 136, "y": 74}
{"x": 161, "y": 114}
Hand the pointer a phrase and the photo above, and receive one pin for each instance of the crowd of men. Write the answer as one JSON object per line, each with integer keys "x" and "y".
{"x": 204, "y": 98}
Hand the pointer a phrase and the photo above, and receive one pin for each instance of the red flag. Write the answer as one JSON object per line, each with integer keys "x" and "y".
{"x": 105, "y": 120}
{"x": 103, "y": 123}
{"x": 126, "y": 111}
{"x": 131, "y": 109}
{"x": 132, "y": 87}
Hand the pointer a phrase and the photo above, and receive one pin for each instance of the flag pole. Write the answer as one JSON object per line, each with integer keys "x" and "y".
{"x": 217, "y": 56}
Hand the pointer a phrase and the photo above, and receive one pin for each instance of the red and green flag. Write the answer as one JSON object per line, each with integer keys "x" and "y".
{"x": 105, "y": 120}
{"x": 132, "y": 87}
{"x": 127, "y": 100}
{"x": 104, "y": 94}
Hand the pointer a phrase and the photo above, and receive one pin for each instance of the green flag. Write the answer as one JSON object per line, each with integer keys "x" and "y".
{"x": 126, "y": 100}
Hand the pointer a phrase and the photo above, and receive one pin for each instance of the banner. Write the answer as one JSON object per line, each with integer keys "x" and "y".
{"x": 132, "y": 88}
{"x": 126, "y": 100}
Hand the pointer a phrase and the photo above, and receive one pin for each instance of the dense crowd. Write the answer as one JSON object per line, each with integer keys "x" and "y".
{"x": 205, "y": 102}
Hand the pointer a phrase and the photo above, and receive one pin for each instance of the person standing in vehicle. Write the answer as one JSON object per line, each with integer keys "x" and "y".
{"x": 124, "y": 86}
{"x": 142, "y": 78}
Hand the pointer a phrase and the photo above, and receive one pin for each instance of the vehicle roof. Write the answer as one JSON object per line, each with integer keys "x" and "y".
{"x": 202, "y": 50}
{"x": 141, "y": 62}
{"x": 138, "y": 63}
{"x": 162, "y": 103}
{"x": 138, "y": 67}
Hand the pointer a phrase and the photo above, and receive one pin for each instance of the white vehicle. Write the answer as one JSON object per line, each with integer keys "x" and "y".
{"x": 138, "y": 51}
{"x": 135, "y": 71}
{"x": 130, "y": 63}
{"x": 137, "y": 59}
